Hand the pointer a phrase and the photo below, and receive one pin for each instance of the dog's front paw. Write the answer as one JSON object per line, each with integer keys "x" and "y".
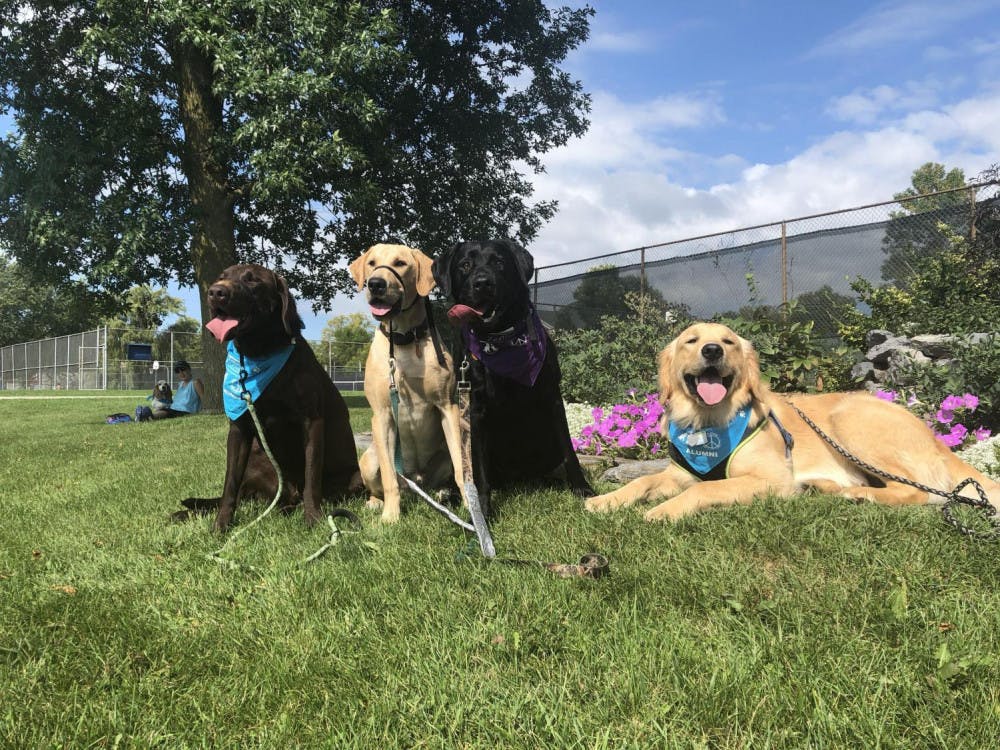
{"x": 374, "y": 503}
{"x": 671, "y": 510}
{"x": 390, "y": 515}
{"x": 583, "y": 490}
{"x": 604, "y": 503}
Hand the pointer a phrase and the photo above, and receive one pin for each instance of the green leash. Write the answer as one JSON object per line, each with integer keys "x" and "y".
{"x": 335, "y": 532}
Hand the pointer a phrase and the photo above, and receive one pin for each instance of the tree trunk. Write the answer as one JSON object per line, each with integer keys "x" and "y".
{"x": 213, "y": 245}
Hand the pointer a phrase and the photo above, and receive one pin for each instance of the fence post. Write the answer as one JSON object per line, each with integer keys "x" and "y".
{"x": 784, "y": 269}
{"x": 972, "y": 217}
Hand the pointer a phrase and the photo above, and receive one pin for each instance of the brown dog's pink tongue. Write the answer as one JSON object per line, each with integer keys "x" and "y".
{"x": 711, "y": 389}
{"x": 220, "y": 326}
{"x": 459, "y": 314}
{"x": 379, "y": 310}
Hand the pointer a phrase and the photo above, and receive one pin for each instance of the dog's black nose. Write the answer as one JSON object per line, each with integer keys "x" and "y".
{"x": 377, "y": 285}
{"x": 482, "y": 283}
{"x": 711, "y": 352}
{"x": 218, "y": 293}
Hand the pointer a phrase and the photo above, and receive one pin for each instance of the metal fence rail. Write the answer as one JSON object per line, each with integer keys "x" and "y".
{"x": 810, "y": 258}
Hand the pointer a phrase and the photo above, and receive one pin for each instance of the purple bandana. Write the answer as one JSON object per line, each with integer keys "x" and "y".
{"x": 517, "y": 354}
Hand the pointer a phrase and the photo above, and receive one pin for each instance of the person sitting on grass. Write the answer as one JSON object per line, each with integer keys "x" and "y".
{"x": 187, "y": 397}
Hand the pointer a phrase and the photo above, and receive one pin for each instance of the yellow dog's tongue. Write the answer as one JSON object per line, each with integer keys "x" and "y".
{"x": 711, "y": 389}
{"x": 220, "y": 326}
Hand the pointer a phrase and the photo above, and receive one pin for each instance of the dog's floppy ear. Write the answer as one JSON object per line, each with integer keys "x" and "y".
{"x": 665, "y": 372}
{"x": 525, "y": 263}
{"x": 289, "y": 315}
{"x": 357, "y": 269}
{"x": 441, "y": 268}
{"x": 425, "y": 272}
{"x": 751, "y": 371}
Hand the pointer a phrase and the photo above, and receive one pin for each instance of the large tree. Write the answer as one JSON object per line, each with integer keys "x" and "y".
{"x": 33, "y": 309}
{"x": 168, "y": 139}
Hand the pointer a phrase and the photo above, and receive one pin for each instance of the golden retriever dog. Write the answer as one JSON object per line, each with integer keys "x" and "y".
{"x": 711, "y": 387}
{"x": 397, "y": 280}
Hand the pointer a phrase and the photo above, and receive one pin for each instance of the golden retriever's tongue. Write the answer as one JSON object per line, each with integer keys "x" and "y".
{"x": 459, "y": 314}
{"x": 379, "y": 310}
{"x": 220, "y": 326}
{"x": 711, "y": 389}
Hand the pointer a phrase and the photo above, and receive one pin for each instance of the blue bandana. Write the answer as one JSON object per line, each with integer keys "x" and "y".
{"x": 260, "y": 372}
{"x": 706, "y": 448}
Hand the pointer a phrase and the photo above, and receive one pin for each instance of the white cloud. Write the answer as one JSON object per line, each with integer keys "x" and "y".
{"x": 616, "y": 191}
{"x": 900, "y": 21}
{"x": 866, "y": 106}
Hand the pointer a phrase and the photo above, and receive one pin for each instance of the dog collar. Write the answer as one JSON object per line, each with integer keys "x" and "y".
{"x": 517, "y": 353}
{"x": 408, "y": 337}
{"x": 260, "y": 371}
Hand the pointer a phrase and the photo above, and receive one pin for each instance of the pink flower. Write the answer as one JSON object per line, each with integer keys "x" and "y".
{"x": 944, "y": 416}
{"x": 981, "y": 433}
{"x": 959, "y": 431}
{"x": 950, "y": 403}
{"x": 885, "y": 395}
{"x": 970, "y": 401}
{"x": 950, "y": 440}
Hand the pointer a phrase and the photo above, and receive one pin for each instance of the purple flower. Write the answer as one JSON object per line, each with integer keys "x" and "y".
{"x": 981, "y": 433}
{"x": 944, "y": 416}
{"x": 970, "y": 401}
{"x": 655, "y": 448}
{"x": 950, "y": 403}
{"x": 885, "y": 395}
{"x": 950, "y": 440}
{"x": 912, "y": 400}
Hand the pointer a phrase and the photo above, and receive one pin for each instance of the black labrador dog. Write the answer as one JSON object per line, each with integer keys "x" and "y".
{"x": 518, "y": 420}
{"x": 304, "y": 417}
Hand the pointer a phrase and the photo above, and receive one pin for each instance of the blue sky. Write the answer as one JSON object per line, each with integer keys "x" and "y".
{"x": 717, "y": 115}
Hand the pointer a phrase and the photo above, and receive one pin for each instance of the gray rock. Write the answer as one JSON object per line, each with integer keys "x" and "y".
{"x": 863, "y": 372}
{"x": 879, "y": 354}
{"x": 627, "y": 470}
{"x": 876, "y": 337}
{"x": 934, "y": 346}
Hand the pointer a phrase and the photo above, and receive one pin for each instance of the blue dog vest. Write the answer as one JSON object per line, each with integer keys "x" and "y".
{"x": 260, "y": 372}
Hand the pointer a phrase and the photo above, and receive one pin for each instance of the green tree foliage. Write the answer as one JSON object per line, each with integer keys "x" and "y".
{"x": 179, "y": 340}
{"x": 143, "y": 312}
{"x": 167, "y": 140}
{"x": 824, "y": 307}
{"x": 603, "y": 291}
{"x": 913, "y": 232}
{"x": 33, "y": 309}
{"x": 346, "y": 339}
{"x": 953, "y": 291}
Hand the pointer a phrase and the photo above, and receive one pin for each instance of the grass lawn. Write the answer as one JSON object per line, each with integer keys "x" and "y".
{"x": 806, "y": 623}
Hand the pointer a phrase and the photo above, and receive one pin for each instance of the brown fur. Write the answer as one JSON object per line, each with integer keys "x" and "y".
{"x": 428, "y": 426}
{"x": 881, "y": 434}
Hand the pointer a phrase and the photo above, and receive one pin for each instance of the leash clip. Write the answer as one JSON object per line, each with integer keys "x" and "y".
{"x": 463, "y": 380}
{"x": 392, "y": 373}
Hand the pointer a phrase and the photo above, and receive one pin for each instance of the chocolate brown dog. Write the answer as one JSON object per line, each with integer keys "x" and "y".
{"x": 304, "y": 417}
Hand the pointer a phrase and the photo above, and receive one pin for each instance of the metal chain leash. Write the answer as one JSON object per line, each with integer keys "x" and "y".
{"x": 953, "y": 498}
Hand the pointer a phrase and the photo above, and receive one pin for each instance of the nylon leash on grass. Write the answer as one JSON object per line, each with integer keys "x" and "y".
{"x": 952, "y": 498}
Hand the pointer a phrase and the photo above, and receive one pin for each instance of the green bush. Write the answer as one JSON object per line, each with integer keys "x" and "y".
{"x": 975, "y": 368}
{"x": 600, "y": 365}
{"x": 792, "y": 356}
{"x": 950, "y": 292}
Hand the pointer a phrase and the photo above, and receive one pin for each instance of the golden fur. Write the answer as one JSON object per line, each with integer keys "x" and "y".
{"x": 428, "y": 414}
{"x": 880, "y": 433}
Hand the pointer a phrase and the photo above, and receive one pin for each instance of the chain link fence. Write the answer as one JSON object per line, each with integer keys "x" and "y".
{"x": 134, "y": 359}
{"x": 810, "y": 259}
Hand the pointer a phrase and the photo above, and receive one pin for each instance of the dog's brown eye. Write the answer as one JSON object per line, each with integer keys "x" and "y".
{"x": 465, "y": 266}
{"x": 692, "y": 341}
{"x": 728, "y": 342}
{"x": 399, "y": 263}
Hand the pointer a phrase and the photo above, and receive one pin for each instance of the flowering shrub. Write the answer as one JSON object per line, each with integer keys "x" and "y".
{"x": 628, "y": 430}
{"x": 984, "y": 455}
{"x": 948, "y": 420}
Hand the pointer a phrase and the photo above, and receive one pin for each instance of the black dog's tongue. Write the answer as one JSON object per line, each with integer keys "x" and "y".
{"x": 459, "y": 314}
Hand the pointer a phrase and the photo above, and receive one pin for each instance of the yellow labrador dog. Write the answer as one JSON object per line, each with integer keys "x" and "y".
{"x": 397, "y": 280}
{"x": 732, "y": 440}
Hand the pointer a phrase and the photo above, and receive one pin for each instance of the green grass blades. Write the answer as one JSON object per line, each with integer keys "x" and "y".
{"x": 806, "y": 623}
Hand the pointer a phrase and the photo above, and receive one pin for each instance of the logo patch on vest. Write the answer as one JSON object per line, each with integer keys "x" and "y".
{"x": 708, "y": 447}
